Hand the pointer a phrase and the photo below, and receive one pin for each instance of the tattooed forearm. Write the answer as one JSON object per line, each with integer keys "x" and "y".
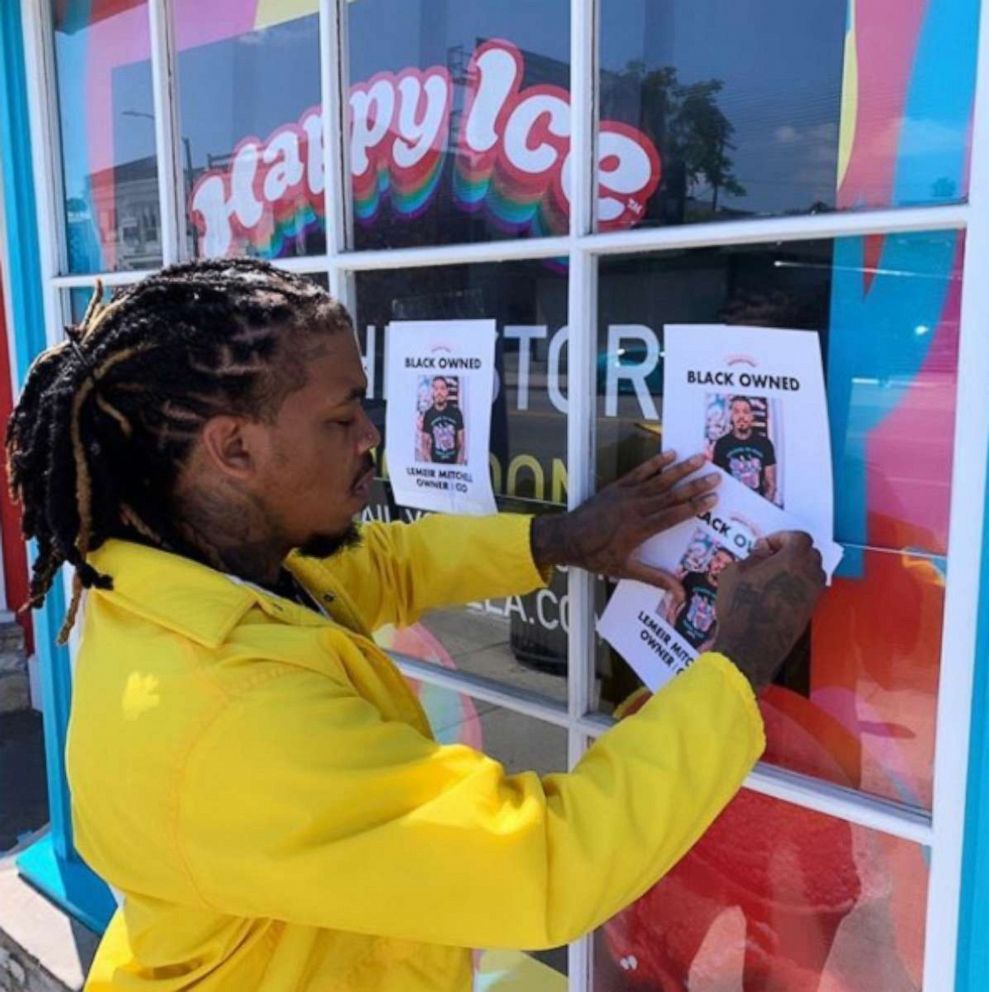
{"x": 763, "y": 607}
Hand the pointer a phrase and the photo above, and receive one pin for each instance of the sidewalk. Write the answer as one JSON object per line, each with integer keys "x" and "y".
{"x": 41, "y": 948}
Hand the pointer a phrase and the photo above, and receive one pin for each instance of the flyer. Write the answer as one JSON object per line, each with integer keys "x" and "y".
{"x": 658, "y": 633}
{"x": 440, "y": 381}
{"x": 753, "y": 399}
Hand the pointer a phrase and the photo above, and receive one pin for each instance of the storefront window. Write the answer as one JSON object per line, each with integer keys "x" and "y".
{"x": 106, "y": 119}
{"x": 521, "y": 640}
{"x": 886, "y": 310}
{"x": 251, "y": 128}
{"x": 460, "y": 120}
{"x": 861, "y": 105}
{"x": 521, "y": 744}
{"x": 775, "y": 896}
{"x": 79, "y": 296}
{"x": 856, "y": 702}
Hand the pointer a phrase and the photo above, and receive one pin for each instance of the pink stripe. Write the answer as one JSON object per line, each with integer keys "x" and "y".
{"x": 887, "y": 33}
{"x": 915, "y": 440}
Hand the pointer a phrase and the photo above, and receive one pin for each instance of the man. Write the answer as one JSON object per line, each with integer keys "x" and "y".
{"x": 692, "y": 612}
{"x": 443, "y": 427}
{"x": 247, "y": 767}
{"x": 745, "y": 455}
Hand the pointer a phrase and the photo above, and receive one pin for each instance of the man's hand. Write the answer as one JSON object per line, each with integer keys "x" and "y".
{"x": 765, "y": 603}
{"x": 601, "y": 534}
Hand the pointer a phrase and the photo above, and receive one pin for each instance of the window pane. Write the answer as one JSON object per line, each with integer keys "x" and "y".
{"x": 522, "y": 639}
{"x": 460, "y": 120}
{"x": 861, "y": 105}
{"x": 80, "y": 296}
{"x": 856, "y": 701}
{"x": 521, "y": 744}
{"x": 106, "y": 116}
{"x": 775, "y": 897}
{"x": 860, "y": 692}
{"x": 250, "y": 128}
{"x": 886, "y": 309}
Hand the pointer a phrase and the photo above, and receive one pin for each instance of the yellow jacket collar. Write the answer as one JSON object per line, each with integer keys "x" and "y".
{"x": 182, "y": 595}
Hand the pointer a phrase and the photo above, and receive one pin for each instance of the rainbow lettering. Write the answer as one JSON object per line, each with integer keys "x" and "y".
{"x": 511, "y": 160}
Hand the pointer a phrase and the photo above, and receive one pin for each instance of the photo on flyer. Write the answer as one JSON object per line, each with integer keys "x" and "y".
{"x": 743, "y": 437}
{"x": 753, "y": 400}
{"x": 660, "y": 632}
{"x": 691, "y": 612}
{"x": 441, "y": 403}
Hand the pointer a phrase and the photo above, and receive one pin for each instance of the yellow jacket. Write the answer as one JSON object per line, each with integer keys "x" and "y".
{"x": 261, "y": 784}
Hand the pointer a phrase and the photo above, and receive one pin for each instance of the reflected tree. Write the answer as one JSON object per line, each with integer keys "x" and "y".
{"x": 685, "y": 122}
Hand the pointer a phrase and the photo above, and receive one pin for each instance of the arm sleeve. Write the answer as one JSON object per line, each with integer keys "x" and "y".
{"x": 399, "y": 571}
{"x": 300, "y": 803}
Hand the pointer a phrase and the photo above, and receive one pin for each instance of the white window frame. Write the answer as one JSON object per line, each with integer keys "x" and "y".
{"x": 942, "y": 830}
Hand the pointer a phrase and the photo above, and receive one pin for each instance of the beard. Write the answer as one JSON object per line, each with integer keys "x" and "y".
{"x": 326, "y": 545}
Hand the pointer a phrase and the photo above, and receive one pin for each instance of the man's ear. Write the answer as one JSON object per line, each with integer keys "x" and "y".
{"x": 230, "y": 446}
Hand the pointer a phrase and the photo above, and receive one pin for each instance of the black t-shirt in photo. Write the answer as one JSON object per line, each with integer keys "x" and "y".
{"x": 444, "y": 427}
{"x": 746, "y": 460}
{"x": 696, "y": 620}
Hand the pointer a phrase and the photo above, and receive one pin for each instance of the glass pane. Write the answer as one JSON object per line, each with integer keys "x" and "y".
{"x": 250, "y": 127}
{"x": 460, "y": 120}
{"x": 79, "y": 296}
{"x": 886, "y": 309}
{"x": 861, "y": 105}
{"x": 521, "y": 744}
{"x": 521, "y": 640}
{"x": 856, "y": 701}
{"x": 775, "y": 897}
{"x": 106, "y": 116}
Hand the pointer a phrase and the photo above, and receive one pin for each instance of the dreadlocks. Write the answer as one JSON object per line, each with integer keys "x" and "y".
{"x": 108, "y": 416}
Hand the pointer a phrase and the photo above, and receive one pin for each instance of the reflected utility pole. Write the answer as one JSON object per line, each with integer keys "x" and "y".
{"x": 186, "y": 183}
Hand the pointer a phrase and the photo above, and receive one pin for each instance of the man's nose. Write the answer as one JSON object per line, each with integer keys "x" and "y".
{"x": 370, "y": 435}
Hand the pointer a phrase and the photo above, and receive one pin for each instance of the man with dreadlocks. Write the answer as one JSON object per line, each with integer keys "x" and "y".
{"x": 247, "y": 768}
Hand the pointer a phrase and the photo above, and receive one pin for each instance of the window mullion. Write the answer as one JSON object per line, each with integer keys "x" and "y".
{"x": 334, "y": 75}
{"x": 582, "y": 324}
{"x": 42, "y": 96}
{"x": 965, "y": 544}
{"x": 171, "y": 182}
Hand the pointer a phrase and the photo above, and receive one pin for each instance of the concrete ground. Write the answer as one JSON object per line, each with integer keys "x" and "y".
{"x": 41, "y": 949}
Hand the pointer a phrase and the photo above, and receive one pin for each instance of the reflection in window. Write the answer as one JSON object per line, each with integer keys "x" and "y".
{"x": 250, "y": 128}
{"x": 520, "y": 640}
{"x": 521, "y": 744}
{"x": 849, "y": 111}
{"x": 775, "y": 896}
{"x": 106, "y": 116}
{"x": 737, "y": 134}
{"x": 461, "y": 120}
{"x": 856, "y": 700}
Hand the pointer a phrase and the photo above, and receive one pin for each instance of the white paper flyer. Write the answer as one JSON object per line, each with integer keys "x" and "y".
{"x": 753, "y": 399}
{"x": 440, "y": 381}
{"x": 659, "y": 634}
